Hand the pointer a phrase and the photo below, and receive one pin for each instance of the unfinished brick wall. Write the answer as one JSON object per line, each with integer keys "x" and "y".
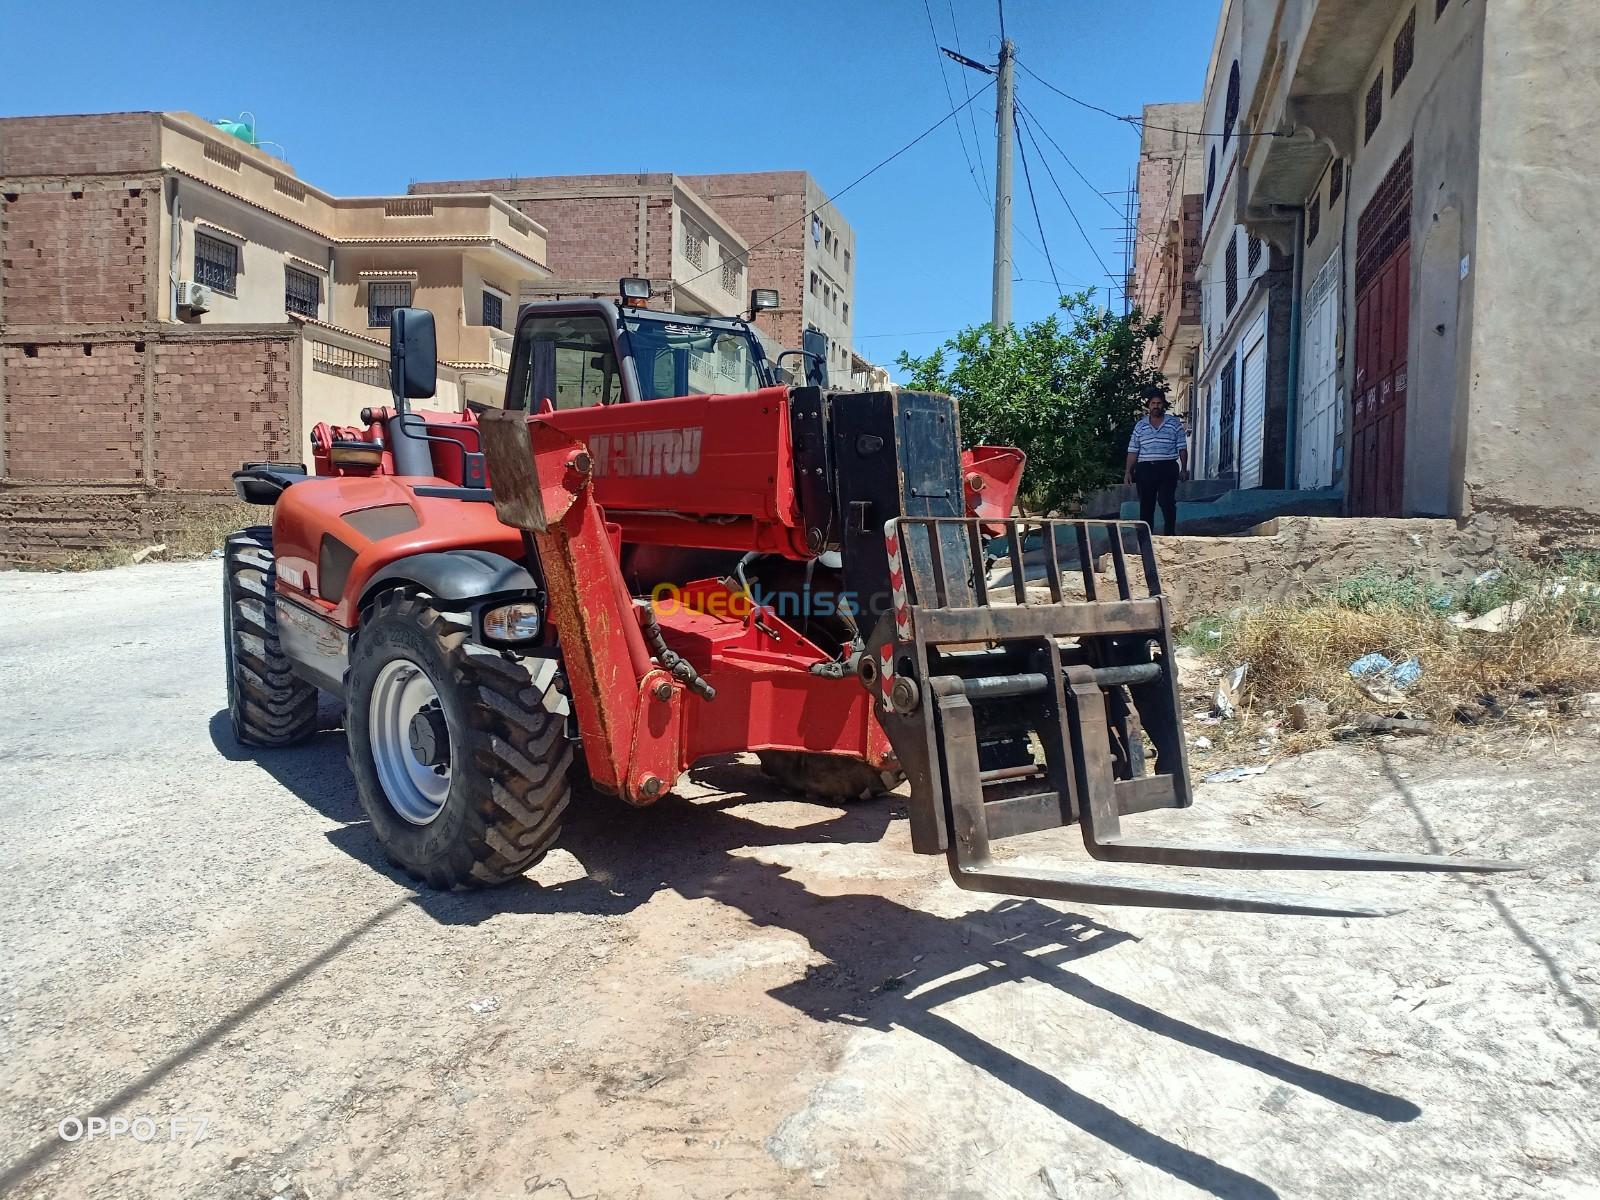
{"x": 758, "y": 204}
{"x": 593, "y": 238}
{"x": 218, "y": 404}
{"x": 77, "y": 255}
{"x": 74, "y": 411}
{"x": 100, "y": 144}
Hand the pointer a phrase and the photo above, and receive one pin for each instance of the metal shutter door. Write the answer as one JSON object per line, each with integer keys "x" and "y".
{"x": 1253, "y": 414}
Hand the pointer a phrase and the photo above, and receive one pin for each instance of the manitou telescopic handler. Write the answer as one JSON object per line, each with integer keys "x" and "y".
{"x": 657, "y": 552}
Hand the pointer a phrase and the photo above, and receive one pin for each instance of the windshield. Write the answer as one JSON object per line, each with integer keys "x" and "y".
{"x": 677, "y": 358}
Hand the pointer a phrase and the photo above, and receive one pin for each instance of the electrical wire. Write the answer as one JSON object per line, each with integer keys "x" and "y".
{"x": 1027, "y": 127}
{"x": 972, "y": 121}
{"x": 865, "y": 175}
{"x": 1139, "y": 122}
{"x": 1027, "y": 177}
{"x": 1034, "y": 120}
{"x": 950, "y": 99}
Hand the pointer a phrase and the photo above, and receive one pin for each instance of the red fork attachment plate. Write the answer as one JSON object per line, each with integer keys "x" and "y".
{"x": 1016, "y": 710}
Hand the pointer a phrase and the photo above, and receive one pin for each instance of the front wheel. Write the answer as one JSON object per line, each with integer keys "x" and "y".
{"x": 459, "y": 753}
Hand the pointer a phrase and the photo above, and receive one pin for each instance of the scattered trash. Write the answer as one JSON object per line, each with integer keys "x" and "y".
{"x": 1382, "y": 680}
{"x": 1488, "y": 577}
{"x": 1498, "y": 620}
{"x": 1233, "y": 774}
{"x": 216, "y": 554}
{"x": 1202, "y": 743}
{"x": 1230, "y": 691}
{"x": 140, "y": 555}
{"x": 1308, "y": 714}
{"x": 1215, "y": 634}
{"x": 1367, "y": 723}
{"x": 486, "y": 1004}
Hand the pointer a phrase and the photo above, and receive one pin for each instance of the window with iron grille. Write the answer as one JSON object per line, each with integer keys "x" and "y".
{"x": 216, "y": 263}
{"x": 1313, "y": 218}
{"x": 493, "y": 309}
{"x": 728, "y": 360}
{"x": 1405, "y": 51}
{"x": 1211, "y": 175}
{"x": 1230, "y": 275}
{"x": 1253, "y": 257}
{"x": 1374, "y": 107}
{"x": 1335, "y": 182}
{"x": 732, "y": 275}
{"x": 302, "y": 292}
{"x": 694, "y": 244}
{"x": 383, "y": 299}
{"x": 1231, "y": 112}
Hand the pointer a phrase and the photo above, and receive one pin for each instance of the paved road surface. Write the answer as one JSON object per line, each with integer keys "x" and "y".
{"x": 738, "y": 994}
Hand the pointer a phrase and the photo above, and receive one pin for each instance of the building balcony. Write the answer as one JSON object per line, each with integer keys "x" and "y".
{"x": 1318, "y": 60}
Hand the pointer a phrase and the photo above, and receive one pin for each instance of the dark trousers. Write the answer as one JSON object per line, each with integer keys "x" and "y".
{"x": 1158, "y": 484}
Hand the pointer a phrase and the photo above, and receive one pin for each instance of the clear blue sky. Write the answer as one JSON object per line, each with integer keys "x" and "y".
{"x": 366, "y": 97}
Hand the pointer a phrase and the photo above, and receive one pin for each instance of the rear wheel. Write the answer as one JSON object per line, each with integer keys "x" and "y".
{"x": 459, "y": 753}
{"x": 831, "y": 776}
{"x": 268, "y": 703}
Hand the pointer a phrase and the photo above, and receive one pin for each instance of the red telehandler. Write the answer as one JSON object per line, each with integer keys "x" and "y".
{"x": 680, "y": 557}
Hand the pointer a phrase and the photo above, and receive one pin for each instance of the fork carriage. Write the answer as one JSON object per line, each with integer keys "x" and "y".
{"x": 1073, "y": 685}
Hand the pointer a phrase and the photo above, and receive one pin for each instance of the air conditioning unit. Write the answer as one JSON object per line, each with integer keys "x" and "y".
{"x": 196, "y": 297}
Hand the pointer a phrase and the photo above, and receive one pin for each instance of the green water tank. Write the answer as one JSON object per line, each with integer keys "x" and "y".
{"x": 245, "y": 131}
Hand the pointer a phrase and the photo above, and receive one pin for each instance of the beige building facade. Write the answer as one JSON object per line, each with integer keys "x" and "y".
{"x": 174, "y": 301}
{"x": 1427, "y": 168}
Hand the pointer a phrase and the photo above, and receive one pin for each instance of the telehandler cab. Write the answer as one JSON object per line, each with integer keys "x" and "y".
{"x": 658, "y": 552}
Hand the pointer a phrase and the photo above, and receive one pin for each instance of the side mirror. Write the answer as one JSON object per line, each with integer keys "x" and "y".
{"x": 761, "y": 299}
{"x": 413, "y": 357}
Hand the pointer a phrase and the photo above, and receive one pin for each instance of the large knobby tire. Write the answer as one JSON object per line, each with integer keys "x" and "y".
{"x": 269, "y": 704}
{"x": 480, "y": 798}
{"x": 830, "y": 776}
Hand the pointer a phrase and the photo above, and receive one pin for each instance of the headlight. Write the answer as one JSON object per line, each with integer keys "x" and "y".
{"x": 512, "y": 623}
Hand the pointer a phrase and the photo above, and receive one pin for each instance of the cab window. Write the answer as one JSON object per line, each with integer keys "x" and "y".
{"x": 564, "y": 362}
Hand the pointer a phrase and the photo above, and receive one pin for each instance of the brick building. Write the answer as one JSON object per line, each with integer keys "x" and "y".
{"x": 1171, "y": 176}
{"x": 703, "y": 241}
{"x": 174, "y": 300}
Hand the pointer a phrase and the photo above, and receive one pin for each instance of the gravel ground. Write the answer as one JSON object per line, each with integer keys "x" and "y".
{"x": 735, "y": 993}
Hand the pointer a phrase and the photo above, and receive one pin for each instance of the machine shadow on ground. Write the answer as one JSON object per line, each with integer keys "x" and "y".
{"x": 698, "y": 849}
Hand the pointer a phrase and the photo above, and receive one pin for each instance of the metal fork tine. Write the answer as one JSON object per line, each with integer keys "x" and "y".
{"x": 1119, "y": 561}
{"x": 980, "y": 584}
{"x": 1086, "y": 560}
{"x": 1147, "y": 553}
{"x": 1051, "y": 560}
{"x": 1019, "y": 581}
{"x": 941, "y": 591}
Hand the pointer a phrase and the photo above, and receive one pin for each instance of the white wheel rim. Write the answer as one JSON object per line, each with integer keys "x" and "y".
{"x": 415, "y": 790}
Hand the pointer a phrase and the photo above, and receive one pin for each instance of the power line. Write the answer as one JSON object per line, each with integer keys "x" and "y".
{"x": 951, "y": 100}
{"x": 1064, "y": 158}
{"x": 865, "y": 175}
{"x": 1027, "y": 177}
{"x": 1139, "y": 122}
{"x": 972, "y": 121}
{"x": 1027, "y": 127}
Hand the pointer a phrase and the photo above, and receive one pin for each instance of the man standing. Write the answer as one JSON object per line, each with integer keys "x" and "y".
{"x": 1158, "y": 456}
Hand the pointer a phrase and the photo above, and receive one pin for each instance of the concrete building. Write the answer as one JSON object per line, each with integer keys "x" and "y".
{"x": 704, "y": 241}
{"x": 1422, "y": 173}
{"x": 1166, "y": 256}
{"x": 174, "y": 300}
{"x": 608, "y": 226}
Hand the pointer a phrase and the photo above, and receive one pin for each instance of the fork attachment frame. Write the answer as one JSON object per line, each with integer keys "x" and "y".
{"x": 1015, "y": 710}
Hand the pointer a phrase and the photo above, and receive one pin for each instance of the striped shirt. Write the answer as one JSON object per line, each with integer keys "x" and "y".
{"x": 1158, "y": 445}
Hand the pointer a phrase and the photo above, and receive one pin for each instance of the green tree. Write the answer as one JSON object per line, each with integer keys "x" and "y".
{"x": 1065, "y": 390}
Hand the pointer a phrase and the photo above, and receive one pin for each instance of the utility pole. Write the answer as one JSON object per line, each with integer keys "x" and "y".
{"x": 1004, "y": 100}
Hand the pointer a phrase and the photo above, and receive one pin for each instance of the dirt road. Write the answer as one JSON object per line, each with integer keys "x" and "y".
{"x": 734, "y": 994}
